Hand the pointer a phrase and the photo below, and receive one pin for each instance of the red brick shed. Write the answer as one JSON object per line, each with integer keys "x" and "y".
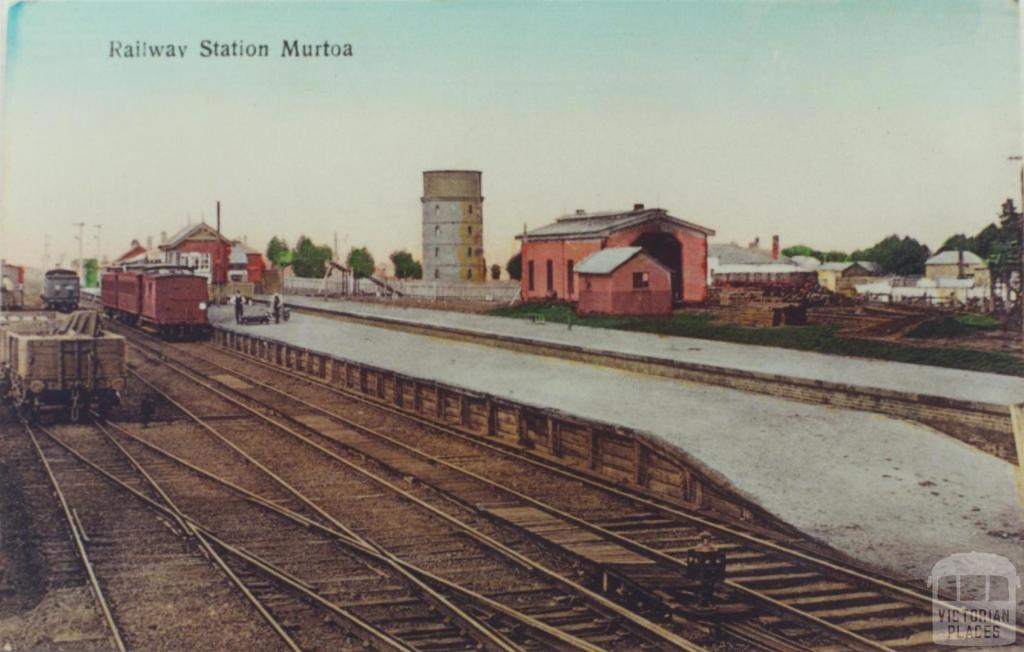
{"x": 551, "y": 253}
{"x": 624, "y": 281}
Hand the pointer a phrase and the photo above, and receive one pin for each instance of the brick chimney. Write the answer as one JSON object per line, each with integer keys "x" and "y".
{"x": 638, "y": 207}
{"x": 775, "y": 247}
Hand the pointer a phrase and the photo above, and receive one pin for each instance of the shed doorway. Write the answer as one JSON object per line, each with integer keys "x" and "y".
{"x": 665, "y": 249}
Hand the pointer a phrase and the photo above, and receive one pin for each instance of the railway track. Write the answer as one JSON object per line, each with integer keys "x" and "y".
{"x": 552, "y": 609}
{"x": 150, "y": 585}
{"x": 797, "y": 590}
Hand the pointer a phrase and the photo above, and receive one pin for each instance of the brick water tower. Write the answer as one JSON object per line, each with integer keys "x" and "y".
{"x": 453, "y": 226}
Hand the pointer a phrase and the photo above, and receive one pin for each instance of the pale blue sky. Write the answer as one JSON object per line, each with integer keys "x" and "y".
{"x": 829, "y": 123}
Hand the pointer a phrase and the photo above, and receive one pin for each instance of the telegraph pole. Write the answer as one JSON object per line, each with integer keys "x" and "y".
{"x": 1020, "y": 249}
{"x": 81, "y": 226}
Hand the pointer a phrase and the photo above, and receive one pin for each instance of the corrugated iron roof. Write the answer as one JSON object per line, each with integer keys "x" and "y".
{"x": 731, "y": 254}
{"x": 953, "y": 258}
{"x": 591, "y": 225}
{"x": 606, "y": 261}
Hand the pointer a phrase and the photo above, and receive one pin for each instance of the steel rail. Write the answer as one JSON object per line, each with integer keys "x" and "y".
{"x": 646, "y": 626}
{"x": 238, "y": 551}
{"x": 364, "y": 548}
{"x": 108, "y": 616}
{"x": 554, "y": 511}
{"x": 596, "y": 529}
{"x": 603, "y": 485}
{"x": 883, "y": 585}
{"x": 189, "y": 530}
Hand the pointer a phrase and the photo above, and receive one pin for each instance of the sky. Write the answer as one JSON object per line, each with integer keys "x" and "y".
{"x": 831, "y": 124}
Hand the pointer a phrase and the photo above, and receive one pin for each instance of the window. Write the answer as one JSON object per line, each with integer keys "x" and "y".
{"x": 469, "y": 251}
{"x": 588, "y": 284}
{"x": 551, "y": 275}
{"x": 570, "y": 281}
{"x": 469, "y": 274}
{"x": 529, "y": 276}
{"x": 437, "y": 251}
{"x": 641, "y": 280}
{"x": 437, "y": 230}
{"x": 470, "y": 229}
{"x": 437, "y": 273}
{"x": 471, "y": 209}
{"x": 437, "y": 209}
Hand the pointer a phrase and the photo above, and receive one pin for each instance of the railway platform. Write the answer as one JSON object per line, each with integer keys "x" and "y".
{"x": 893, "y": 494}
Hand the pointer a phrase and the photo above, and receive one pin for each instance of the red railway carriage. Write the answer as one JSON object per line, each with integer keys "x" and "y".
{"x": 168, "y": 299}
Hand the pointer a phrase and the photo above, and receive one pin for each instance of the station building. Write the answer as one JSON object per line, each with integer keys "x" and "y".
{"x": 551, "y": 253}
{"x": 202, "y": 248}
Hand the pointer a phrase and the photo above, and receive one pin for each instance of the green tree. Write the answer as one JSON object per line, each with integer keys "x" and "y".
{"x": 92, "y": 272}
{"x": 833, "y": 256}
{"x": 800, "y": 250}
{"x": 958, "y": 242}
{"x": 405, "y": 265}
{"x": 902, "y": 256}
{"x": 514, "y": 267}
{"x": 310, "y": 260}
{"x": 278, "y": 252}
{"x": 360, "y": 261}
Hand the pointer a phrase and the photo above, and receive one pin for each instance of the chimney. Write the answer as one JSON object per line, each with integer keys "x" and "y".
{"x": 163, "y": 237}
{"x": 638, "y": 207}
{"x": 960, "y": 262}
{"x": 218, "y": 217}
{"x": 149, "y": 242}
{"x": 775, "y": 247}
{"x": 754, "y": 243}
{"x": 581, "y": 211}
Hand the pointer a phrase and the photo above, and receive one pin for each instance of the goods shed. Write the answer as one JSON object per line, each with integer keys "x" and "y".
{"x": 624, "y": 281}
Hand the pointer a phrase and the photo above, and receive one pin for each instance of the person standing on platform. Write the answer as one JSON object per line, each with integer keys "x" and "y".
{"x": 278, "y": 305}
{"x": 238, "y": 306}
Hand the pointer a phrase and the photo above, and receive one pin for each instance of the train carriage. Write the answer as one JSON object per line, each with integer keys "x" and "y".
{"x": 166, "y": 298}
{"x": 61, "y": 290}
{"x": 67, "y": 367}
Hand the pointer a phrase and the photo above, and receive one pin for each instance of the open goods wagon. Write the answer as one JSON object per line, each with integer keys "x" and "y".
{"x": 61, "y": 366}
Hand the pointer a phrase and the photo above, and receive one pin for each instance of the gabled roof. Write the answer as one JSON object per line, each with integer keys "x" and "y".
{"x": 731, "y": 254}
{"x": 191, "y": 231}
{"x": 953, "y": 258}
{"x": 136, "y": 251}
{"x": 834, "y": 266}
{"x": 597, "y": 225}
{"x": 607, "y": 261}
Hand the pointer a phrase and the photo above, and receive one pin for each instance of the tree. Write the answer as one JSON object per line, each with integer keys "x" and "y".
{"x": 495, "y": 272}
{"x": 959, "y": 242}
{"x": 903, "y": 257}
{"x": 360, "y": 261}
{"x": 92, "y": 272}
{"x": 310, "y": 260}
{"x": 278, "y": 252}
{"x": 405, "y": 265}
{"x": 800, "y": 250}
{"x": 514, "y": 267}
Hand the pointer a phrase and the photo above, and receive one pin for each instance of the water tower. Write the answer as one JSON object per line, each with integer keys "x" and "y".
{"x": 453, "y": 226}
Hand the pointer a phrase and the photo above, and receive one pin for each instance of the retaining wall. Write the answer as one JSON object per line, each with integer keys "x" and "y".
{"x": 596, "y": 448}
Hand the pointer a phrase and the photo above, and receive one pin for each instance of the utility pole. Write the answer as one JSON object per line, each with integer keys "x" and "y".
{"x": 336, "y": 259}
{"x": 99, "y": 230}
{"x": 1020, "y": 249}
{"x": 81, "y": 226}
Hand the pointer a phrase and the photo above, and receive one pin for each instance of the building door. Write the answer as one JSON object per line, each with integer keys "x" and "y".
{"x": 664, "y": 248}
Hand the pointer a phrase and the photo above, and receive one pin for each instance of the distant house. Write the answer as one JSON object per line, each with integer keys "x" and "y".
{"x": 244, "y": 264}
{"x": 932, "y": 291}
{"x": 200, "y": 247}
{"x": 843, "y": 277}
{"x": 551, "y": 253}
{"x": 733, "y": 265}
{"x": 624, "y": 281}
{"x": 136, "y": 254}
{"x": 958, "y": 265}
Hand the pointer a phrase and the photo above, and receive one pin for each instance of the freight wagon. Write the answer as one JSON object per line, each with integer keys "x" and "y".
{"x": 60, "y": 290}
{"x": 169, "y": 299}
{"x": 61, "y": 366}
{"x": 12, "y": 287}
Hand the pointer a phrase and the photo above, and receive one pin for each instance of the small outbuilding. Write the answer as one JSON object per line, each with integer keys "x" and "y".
{"x": 624, "y": 281}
